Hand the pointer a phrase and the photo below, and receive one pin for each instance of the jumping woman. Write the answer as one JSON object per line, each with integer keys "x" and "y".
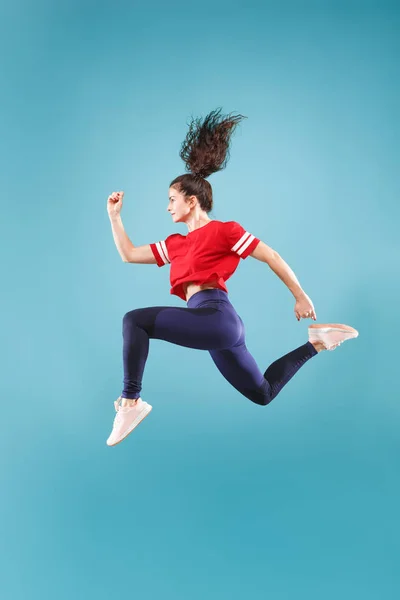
{"x": 201, "y": 262}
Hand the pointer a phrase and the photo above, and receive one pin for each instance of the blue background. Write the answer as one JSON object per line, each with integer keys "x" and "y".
{"x": 212, "y": 496}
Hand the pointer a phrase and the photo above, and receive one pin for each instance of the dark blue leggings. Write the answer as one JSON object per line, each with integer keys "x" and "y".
{"x": 211, "y": 323}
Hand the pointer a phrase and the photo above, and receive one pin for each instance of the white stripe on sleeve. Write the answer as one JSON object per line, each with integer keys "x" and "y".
{"x": 243, "y": 243}
{"x": 163, "y": 252}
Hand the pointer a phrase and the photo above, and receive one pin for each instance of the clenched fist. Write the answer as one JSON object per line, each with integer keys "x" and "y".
{"x": 114, "y": 204}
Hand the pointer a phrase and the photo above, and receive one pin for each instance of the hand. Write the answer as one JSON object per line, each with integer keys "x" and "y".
{"x": 304, "y": 308}
{"x": 114, "y": 204}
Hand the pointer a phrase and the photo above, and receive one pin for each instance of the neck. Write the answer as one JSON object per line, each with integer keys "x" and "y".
{"x": 196, "y": 223}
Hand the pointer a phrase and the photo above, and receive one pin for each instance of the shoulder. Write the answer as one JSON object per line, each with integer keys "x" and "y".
{"x": 231, "y": 228}
{"x": 174, "y": 238}
{"x": 239, "y": 241}
{"x": 227, "y": 225}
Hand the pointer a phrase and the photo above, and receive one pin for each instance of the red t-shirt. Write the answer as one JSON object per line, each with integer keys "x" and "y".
{"x": 209, "y": 253}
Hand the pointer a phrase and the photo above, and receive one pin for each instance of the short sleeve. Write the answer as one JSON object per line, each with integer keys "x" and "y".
{"x": 160, "y": 251}
{"x": 240, "y": 241}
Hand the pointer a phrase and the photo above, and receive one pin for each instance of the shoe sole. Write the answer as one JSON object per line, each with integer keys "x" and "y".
{"x": 324, "y": 328}
{"x": 338, "y": 326}
{"x": 134, "y": 424}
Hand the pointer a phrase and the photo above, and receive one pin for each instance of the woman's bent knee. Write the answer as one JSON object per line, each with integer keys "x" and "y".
{"x": 261, "y": 397}
{"x": 130, "y": 319}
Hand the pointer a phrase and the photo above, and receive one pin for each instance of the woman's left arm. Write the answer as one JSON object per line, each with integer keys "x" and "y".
{"x": 281, "y": 268}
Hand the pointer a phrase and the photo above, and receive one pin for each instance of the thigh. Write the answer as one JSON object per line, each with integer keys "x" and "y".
{"x": 204, "y": 328}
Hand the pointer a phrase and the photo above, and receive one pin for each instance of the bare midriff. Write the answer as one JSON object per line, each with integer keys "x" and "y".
{"x": 190, "y": 288}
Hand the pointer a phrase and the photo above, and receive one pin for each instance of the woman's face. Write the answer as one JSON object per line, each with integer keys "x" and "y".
{"x": 177, "y": 207}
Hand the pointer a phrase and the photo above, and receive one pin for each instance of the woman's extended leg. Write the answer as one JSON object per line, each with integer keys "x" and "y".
{"x": 202, "y": 328}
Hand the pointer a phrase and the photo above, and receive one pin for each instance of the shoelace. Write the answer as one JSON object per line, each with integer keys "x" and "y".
{"x": 118, "y": 416}
{"x": 117, "y": 405}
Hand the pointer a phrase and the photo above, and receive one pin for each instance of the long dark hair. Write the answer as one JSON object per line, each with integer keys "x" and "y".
{"x": 205, "y": 150}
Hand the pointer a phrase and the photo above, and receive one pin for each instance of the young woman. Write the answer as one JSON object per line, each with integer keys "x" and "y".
{"x": 201, "y": 262}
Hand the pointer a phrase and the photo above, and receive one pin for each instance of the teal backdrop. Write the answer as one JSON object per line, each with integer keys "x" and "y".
{"x": 212, "y": 497}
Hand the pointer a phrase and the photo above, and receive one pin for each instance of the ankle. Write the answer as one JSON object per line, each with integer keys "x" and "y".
{"x": 128, "y": 401}
{"x": 319, "y": 346}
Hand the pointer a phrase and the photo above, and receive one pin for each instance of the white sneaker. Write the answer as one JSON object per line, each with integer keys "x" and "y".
{"x": 126, "y": 419}
{"x": 331, "y": 334}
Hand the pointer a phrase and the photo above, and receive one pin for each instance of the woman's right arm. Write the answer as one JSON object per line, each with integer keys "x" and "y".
{"x": 129, "y": 252}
